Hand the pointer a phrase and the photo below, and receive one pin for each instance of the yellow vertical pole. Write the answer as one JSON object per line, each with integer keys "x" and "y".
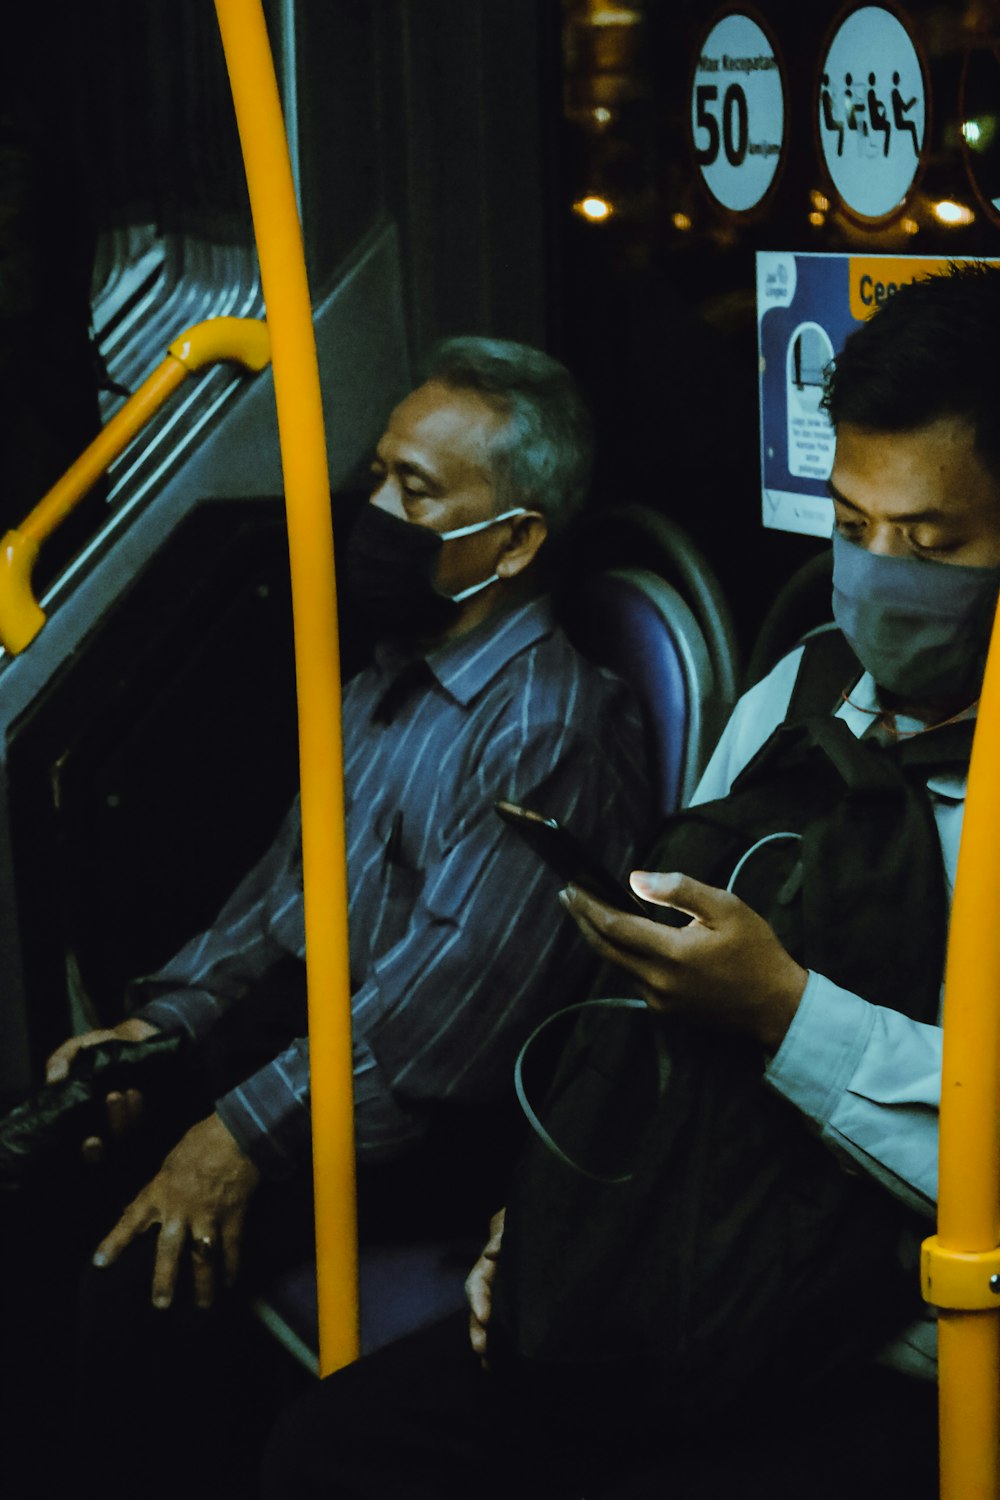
{"x": 310, "y": 541}
{"x": 961, "y": 1264}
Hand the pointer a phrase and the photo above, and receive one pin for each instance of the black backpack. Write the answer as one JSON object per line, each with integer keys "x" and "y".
{"x": 692, "y": 1242}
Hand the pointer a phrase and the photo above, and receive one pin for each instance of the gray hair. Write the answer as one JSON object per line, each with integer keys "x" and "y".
{"x": 543, "y": 454}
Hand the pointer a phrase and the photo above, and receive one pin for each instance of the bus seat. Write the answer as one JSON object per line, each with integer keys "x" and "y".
{"x": 803, "y": 603}
{"x": 403, "y": 1288}
{"x": 633, "y": 621}
{"x": 635, "y": 536}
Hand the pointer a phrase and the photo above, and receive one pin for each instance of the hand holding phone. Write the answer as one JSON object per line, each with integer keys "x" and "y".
{"x": 564, "y": 853}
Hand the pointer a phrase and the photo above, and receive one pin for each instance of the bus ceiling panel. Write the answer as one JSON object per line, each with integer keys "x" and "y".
{"x": 364, "y": 369}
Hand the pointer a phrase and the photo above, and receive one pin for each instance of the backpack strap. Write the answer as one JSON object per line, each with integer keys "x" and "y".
{"x": 827, "y": 667}
{"x": 945, "y": 749}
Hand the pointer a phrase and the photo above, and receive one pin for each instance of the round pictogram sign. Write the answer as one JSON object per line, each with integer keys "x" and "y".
{"x": 737, "y": 113}
{"x": 872, "y": 116}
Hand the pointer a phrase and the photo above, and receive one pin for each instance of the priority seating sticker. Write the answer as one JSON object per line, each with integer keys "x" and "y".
{"x": 807, "y": 305}
{"x": 738, "y": 113}
{"x": 871, "y": 104}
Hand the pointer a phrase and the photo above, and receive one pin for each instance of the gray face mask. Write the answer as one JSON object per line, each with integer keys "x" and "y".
{"x": 920, "y": 627}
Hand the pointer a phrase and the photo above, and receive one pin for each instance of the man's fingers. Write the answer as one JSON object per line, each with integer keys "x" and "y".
{"x": 61, "y": 1060}
{"x": 602, "y": 947}
{"x": 92, "y": 1151}
{"x": 136, "y": 1218}
{"x": 57, "y": 1067}
{"x": 630, "y": 934}
{"x": 477, "y": 1336}
{"x": 635, "y": 934}
{"x": 478, "y": 1293}
{"x": 682, "y": 892}
{"x": 117, "y": 1113}
{"x": 124, "y": 1111}
{"x": 623, "y": 939}
{"x": 204, "y": 1253}
{"x": 169, "y": 1246}
{"x": 232, "y": 1240}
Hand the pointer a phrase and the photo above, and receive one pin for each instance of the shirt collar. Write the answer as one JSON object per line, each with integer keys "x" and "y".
{"x": 857, "y": 715}
{"x": 467, "y": 664}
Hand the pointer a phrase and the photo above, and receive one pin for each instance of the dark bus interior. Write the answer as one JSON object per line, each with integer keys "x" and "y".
{"x": 445, "y": 153}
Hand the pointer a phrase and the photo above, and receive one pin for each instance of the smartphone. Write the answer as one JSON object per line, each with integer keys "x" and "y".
{"x": 567, "y": 856}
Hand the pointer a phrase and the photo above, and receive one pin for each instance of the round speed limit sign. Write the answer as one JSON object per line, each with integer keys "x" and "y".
{"x": 737, "y": 113}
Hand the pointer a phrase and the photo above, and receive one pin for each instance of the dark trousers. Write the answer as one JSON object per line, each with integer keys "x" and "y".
{"x": 420, "y": 1421}
{"x": 98, "y": 1389}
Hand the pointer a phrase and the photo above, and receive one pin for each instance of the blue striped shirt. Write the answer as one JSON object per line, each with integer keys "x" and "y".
{"x": 457, "y": 943}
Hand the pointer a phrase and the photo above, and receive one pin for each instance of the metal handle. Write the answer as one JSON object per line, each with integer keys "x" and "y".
{"x": 244, "y": 341}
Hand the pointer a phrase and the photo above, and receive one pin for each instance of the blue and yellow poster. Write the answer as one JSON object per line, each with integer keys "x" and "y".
{"x": 807, "y": 304}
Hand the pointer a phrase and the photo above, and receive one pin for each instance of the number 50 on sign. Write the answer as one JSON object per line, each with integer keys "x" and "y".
{"x": 737, "y": 113}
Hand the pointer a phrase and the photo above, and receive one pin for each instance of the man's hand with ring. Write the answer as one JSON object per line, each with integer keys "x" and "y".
{"x": 199, "y": 1198}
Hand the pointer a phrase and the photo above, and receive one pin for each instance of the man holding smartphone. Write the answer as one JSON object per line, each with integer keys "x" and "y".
{"x": 916, "y": 492}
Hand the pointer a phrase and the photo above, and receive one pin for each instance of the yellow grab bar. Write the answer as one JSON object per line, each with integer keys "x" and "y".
{"x": 314, "y": 609}
{"x": 960, "y": 1265}
{"x": 245, "y": 341}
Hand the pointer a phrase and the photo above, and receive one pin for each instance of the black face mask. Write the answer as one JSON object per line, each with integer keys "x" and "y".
{"x": 391, "y": 566}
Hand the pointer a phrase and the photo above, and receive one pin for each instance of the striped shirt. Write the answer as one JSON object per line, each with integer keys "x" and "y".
{"x": 457, "y": 943}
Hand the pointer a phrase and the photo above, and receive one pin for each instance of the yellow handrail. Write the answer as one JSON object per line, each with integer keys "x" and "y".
{"x": 310, "y": 542}
{"x": 961, "y": 1263}
{"x": 243, "y": 340}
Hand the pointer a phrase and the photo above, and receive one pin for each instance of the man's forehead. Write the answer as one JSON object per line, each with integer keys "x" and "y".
{"x": 437, "y": 424}
{"x": 933, "y": 467}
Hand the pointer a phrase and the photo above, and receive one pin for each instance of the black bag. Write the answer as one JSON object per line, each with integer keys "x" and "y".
{"x": 707, "y": 1245}
{"x": 51, "y": 1125}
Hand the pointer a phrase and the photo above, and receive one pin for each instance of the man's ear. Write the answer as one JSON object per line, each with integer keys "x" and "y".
{"x": 527, "y": 533}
